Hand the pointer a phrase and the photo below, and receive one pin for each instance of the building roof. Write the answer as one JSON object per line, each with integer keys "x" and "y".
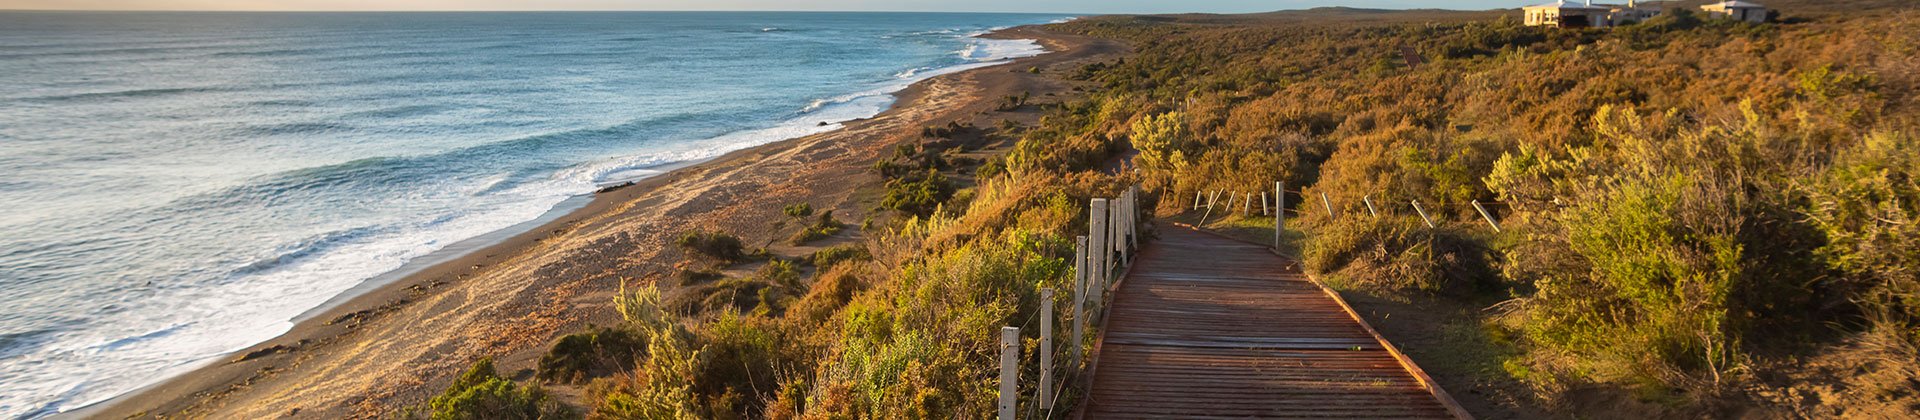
{"x": 1738, "y": 5}
{"x": 1564, "y": 4}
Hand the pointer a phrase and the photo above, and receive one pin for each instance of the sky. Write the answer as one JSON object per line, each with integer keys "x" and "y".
{"x": 1047, "y": 6}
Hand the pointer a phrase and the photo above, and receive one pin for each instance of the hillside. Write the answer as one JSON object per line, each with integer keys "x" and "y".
{"x": 1697, "y": 218}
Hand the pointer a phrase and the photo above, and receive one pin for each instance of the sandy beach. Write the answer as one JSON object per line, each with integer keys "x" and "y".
{"x": 398, "y": 344}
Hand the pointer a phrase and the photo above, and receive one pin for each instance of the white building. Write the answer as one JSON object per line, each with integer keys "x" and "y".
{"x": 1737, "y": 10}
{"x": 1586, "y": 14}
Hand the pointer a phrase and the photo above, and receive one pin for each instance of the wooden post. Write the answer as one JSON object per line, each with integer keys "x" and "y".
{"x": 1097, "y": 253}
{"x": 1133, "y": 221}
{"x": 1279, "y": 211}
{"x": 1369, "y": 200}
{"x": 1046, "y": 349}
{"x": 1246, "y": 207}
{"x": 1327, "y": 204}
{"x": 1121, "y": 232}
{"x": 1209, "y": 213}
{"x": 1009, "y": 371}
{"x": 1196, "y": 199}
{"x": 1423, "y": 214}
{"x": 1116, "y": 233}
{"x": 1264, "y": 210}
{"x": 1230, "y": 200}
{"x": 1489, "y": 216}
{"x": 1079, "y": 300}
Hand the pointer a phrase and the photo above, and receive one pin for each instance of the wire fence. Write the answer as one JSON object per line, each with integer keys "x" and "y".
{"x": 1275, "y": 204}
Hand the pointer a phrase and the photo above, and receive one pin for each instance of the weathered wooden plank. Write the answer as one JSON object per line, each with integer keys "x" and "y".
{"x": 1206, "y": 327}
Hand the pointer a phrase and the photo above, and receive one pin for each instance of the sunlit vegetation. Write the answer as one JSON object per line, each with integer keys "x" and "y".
{"x": 1677, "y": 196}
{"x": 1676, "y": 199}
{"x": 482, "y": 393}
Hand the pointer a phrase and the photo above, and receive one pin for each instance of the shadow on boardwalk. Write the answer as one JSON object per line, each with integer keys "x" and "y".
{"x": 1205, "y": 326}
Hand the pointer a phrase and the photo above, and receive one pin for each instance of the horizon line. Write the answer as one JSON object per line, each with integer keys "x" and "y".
{"x": 1083, "y": 14}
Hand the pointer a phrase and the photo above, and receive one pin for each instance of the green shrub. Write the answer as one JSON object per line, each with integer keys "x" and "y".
{"x": 1399, "y": 254}
{"x": 482, "y": 393}
{"x": 834, "y": 255}
{"x": 717, "y": 245}
{"x": 599, "y": 351}
{"x": 918, "y": 194}
{"x": 1653, "y": 307}
{"x": 741, "y": 366}
{"x": 797, "y": 210}
{"x": 990, "y": 169}
{"x": 1868, "y": 207}
{"x": 822, "y": 227}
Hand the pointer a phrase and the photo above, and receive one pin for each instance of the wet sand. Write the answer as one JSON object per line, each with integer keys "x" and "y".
{"x": 400, "y": 343}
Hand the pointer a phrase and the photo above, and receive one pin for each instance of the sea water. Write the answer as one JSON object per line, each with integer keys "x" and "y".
{"x": 176, "y": 186}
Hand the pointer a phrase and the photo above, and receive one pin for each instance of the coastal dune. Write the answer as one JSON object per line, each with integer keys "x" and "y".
{"x": 396, "y": 346}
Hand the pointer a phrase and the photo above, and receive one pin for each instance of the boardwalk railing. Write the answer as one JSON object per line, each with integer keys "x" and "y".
{"x": 1100, "y": 257}
{"x": 1215, "y": 327}
{"x": 1207, "y": 200}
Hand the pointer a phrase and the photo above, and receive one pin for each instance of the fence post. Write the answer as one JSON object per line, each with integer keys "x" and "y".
{"x": 1328, "y": 204}
{"x": 1117, "y": 220}
{"x": 1079, "y": 299}
{"x": 1279, "y": 211}
{"x": 1246, "y": 207}
{"x": 1423, "y": 214}
{"x": 1009, "y": 371}
{"x": 1097, "y": 251}
{"x": 1209, "y": 213}
{"x": 1264, "y": 210}
{"x": 1196, "y": 199}
{"x": 1231, "y": 197}
{"x": 1133, "y": 221}
{"x": 1369, "y": 200}
{"x": 1046, "y": 349}
{"x": 1489, "y": 216}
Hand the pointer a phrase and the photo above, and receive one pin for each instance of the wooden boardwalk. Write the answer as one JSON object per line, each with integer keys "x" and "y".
{"x": 1209, "y": 327}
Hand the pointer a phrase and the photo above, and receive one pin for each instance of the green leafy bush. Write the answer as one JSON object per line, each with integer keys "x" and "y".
{"x": 821, "y": 228}
{"x": 717, "y": 245}
{"x": 1396, "y": 254}
{"x": 918, "y": 194}
{"x": 797, "y": 210}
{"x": 834, "y": 255}
{"x": 482, "y": 393}
{"x": 599, "y": 351}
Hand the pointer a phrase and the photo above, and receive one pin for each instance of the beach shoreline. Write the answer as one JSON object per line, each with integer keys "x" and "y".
{"x": 394, "y": 343}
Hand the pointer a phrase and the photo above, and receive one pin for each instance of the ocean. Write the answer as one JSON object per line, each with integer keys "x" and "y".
{"x": 177, "y": 186}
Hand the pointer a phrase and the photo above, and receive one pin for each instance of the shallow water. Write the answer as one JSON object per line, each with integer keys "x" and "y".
{"x": 174, "y": 186}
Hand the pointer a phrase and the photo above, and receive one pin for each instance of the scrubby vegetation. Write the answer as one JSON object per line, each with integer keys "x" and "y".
{"x": 822, "y": 227}
{"x": 482, "y": 393}
{"x": 1677, "y": 199}
{"x": 719, "y": 246}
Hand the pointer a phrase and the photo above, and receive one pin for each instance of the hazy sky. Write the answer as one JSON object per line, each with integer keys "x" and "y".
{"x": 1070, "y": 6}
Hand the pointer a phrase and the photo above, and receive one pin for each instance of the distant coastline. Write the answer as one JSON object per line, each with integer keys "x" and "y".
{"x": 209, "y": 384}
{"x": 824, "y": 116}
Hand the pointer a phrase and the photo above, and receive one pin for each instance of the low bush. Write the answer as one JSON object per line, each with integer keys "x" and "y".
{"x": 599, "y": 351}
{"x": 918, "y": 194}
{"x": 829, "y": 257}
{"x": 482, "y": 393}
{"x": 717, "y": 245}
{"x": 821, "y": 228}
{"x": 797, "y": 210}
{"x": 1399, "y": 254}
